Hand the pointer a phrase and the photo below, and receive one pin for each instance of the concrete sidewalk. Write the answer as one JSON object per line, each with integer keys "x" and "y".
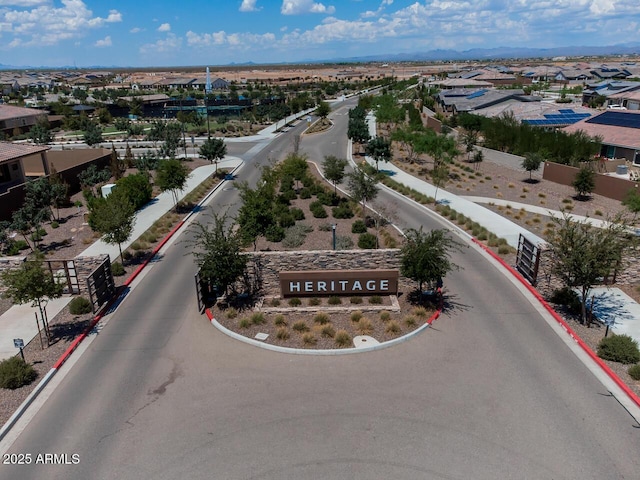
{"x": 20, "y": 322}
{"x": 160, "y": 205}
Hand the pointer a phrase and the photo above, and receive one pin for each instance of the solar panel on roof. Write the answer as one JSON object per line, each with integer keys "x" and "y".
{"x": 617, "y": 119}
{"x": 566, "y": 110}
{"x": 477, "y": 94}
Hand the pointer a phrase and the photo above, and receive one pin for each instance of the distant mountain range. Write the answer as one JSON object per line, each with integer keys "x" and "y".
{"x": 499, "y": 53}
{"x": 481, "y": 54}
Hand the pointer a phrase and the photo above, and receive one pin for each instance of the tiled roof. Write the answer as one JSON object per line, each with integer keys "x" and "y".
{"x": 11, "y": 151}
{"x": 611, "y": 135}
{"x": 9, "y": 111}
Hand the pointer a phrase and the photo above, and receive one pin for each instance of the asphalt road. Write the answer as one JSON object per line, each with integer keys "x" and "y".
{"x": 490, "y": 392}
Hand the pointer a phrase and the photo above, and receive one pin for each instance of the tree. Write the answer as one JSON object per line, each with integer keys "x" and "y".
{"x": 172, "y": 140}
{"x": 478, "y": 158}
{"x": 116, "y": 166}
{"x": 218, "y": 251}
{"x": 334, "y": 170}
{"x": 32, "y": 283}
{"x": 172, "y": 175}
{"x": 426, "y": 257}
{"x": 585, "y": 182}
{"x": 439, "y": 177}
{"x": 582, "y": 254}
{"x": 92, "y": 134}
{"x": 379, "y": 149}
{"x": 362, "y": 187}
{"x": 137, "y": 188}
{"x": 40, "y": 133}
{"x": 323, "y": 110}
{"x": 531, "y": 162}
{"x": 256, "y": 214}
{"x": 113, "y": 217}
{"x": 214, "y": 150}
{"x": 294, "y": 166}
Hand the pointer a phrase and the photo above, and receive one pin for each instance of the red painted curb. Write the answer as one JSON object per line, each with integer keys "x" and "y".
{"x": 630, "y": 393}
{"x": 67, "y": 353}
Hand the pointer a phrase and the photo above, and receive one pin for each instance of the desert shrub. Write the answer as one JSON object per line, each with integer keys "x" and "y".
{"x": 305, "y": 193}
{"x": 309, "y": 338}
{"x": 342, "y": 211}
{"x": 342, "y": 338}
{"x": 314, "y": 302}
{"x": 619, "y": 348}
{"x": 328, "y": 198}
{"x": 385, "y": 316}
{"x": 504, "y": 249}
{"x": 634, "y": 371}
{"x": 364, "y": 326}
{"x": 257, "y": 318}
{"x": 295, "y": 236}
{"x": 375, "y": 300}
{"x": 295, "y": 302}
{"x": 280, "y": 321}
{"x": 343, "y": 242}
{"x": 567, "y": 297}
{"x": 231, "y": 313}
{"x": 328, "y": 331}
{"x": 244, "y": 322}
{"x": 355, "y": 300}
{"x": 15, "y": 373}
{"x": 419, "y": 312}
{"x": 282, "y": 333}
{"x": 358, "y": 227}
{"x": 356, "y": 316}
{"x": 300, "y": 326}
{"x": 117, "y": 270}
{"x": 297, "y": 214}
{"x": 275, "y": 233}
{"x": 334, "y": 301}
{"x": 410, "y": 321}
{"x": 367, "y": 241}
{"x": 79, "y": 306}
{"x": 321, "y": 318}
{"x": 55, "y": 224}
{"x": 317, "y": 210}
{"x": 16, "y": 247}
{"x": 325, "y": 227}
{"x": 392, "y": 327}
{"x": 287, "y": 220}
{"x": 275, "y": 302}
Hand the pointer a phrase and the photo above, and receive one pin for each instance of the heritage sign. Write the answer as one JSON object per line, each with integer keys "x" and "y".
{"x": 316, "y": 283}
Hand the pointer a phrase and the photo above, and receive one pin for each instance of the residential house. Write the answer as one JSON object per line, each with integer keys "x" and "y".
{"x": 464, "y": 100}
{"x": 607, "y": 88}
{"x": 573, "y": 76}
{"x": 16, "y": 120}
{"x": 618, "y": 130}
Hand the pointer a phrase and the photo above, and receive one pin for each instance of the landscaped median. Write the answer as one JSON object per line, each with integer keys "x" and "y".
{"x": 326, "y": 326}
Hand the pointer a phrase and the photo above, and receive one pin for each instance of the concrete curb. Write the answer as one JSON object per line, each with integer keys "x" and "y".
{"x": 342, "y": 351}
{"x": 617, "y": 380}
{"x": 74, "y": 345}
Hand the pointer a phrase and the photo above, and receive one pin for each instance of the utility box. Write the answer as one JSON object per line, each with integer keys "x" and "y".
{"x": 107, "y": 189}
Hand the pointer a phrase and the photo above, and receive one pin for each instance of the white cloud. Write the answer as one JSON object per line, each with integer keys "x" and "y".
{"x": 105, "y": 42}
{"x": 249, "y": 6}
{"x": 135, "y": 30}
{"x": 48, "y": 25}
{"x": 22, "y": 3}
{"x": 165, "y": 27}
{"x": 170, "y": 44}
{"x": 239, "y": 41}
{"x": 297, "y": 7}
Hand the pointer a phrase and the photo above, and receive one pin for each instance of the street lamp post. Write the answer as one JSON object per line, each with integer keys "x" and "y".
{"x": 333, "y": 228}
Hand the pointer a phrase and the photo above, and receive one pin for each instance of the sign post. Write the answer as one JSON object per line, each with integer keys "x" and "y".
{"x": 19, "y": 343}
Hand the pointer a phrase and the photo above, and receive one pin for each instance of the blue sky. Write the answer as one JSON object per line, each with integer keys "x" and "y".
{"x": 217, "y": 32}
